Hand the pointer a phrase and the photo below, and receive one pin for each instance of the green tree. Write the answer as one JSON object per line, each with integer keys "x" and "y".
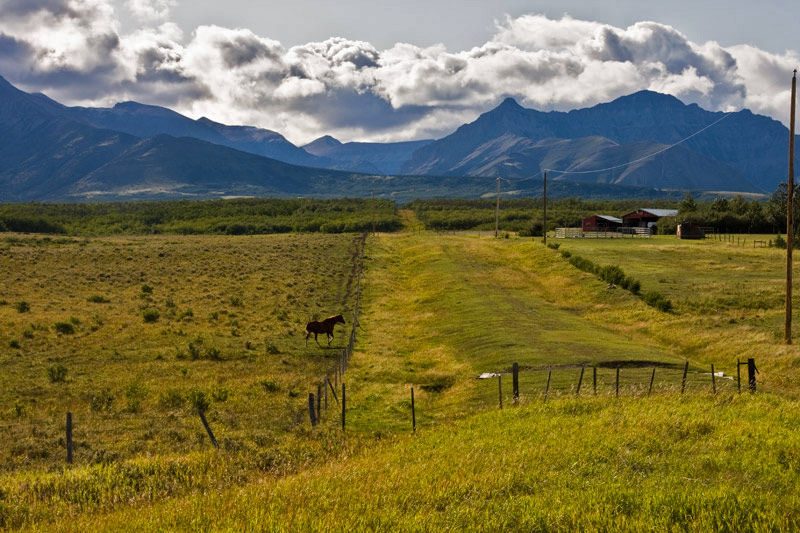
{"x": 719, "y": 205}
{"x": 738, "y": 205}
{"x": 688, "y": 204}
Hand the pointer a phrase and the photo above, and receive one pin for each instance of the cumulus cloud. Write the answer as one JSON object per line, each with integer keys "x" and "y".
{"x": 74, "y": 51}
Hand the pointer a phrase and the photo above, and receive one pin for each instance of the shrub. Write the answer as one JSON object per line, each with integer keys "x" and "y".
{"x": 612, "y": 274}
{"x": 64, "y": 328}
{"x": 13, "y": 344}
{"x": 553, "y": 245}
{"x": 272, "y": 349}
{"x": 57, "y": 373}
{"x": 97, "y": 299}
{"x": 236, "y": 300}
{"x": 213, "y": 354}
{"x": 566, "y": 254}
{"x": 150, "y": 315}
{"x": 269, "y": 385}
{"x": 779, "y": 242}
{"x": 199, "y": 400}
{"x": 102, "y": 401}
{"x": 657, "y": 300}
{"x": 172, "y": 399}
{"x": 22, "y": 307}
{"x": 135, "y": 392}
{"x": 147, "y": 289}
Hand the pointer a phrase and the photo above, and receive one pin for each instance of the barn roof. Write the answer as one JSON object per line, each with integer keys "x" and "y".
{"x": 610, "y": 218}
{"x": 656, "y": 212}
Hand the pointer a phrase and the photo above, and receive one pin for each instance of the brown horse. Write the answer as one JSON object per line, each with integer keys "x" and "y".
{"x": 325, "y": 326}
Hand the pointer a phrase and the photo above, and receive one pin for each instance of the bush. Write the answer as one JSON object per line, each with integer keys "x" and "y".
{"x": 97, "y": 299}
{"x": 147, "y": 289}
{"x": 612, "y": 274}
{"x": 269, "y": 385}
{"x": 780, "y": 242}
{"x": 553, "y": 245}
{"x": 13, "y": 344}
{"x": 150, "y": 315}
{"x": 64, "y": 328}
{"x": 566, "y": 254}
{"x": 657, "y": 300}
{"x": 199, "y": 400}
{"x": 57, "y": 373}
{"x": 22, "y": 307}
{"x": 135, "y": 392}
{"x": 102, "y": 401}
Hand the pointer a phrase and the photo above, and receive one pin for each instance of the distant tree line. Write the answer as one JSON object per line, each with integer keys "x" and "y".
{"x": 244, "y": 216}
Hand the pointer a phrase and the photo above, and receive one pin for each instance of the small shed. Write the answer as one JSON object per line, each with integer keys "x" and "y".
{"x": 689, "y": 230}
{"x": 646, "y": 218}
{"x": 601, "y": 223}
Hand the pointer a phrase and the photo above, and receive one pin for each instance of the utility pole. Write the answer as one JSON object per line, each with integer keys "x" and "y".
{"x": 373, "y": 212}
{"x": 497, "y": 211}
{"x": 789, "y": 217}
{"x": 544, "y": 195}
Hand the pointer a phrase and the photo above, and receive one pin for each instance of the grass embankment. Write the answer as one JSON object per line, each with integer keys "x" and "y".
{"x": 651, "y": 464}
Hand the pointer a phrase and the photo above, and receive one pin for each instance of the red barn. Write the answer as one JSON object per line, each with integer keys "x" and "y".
{"x": 601, "y": 223}
{"x": 646, "y": 218}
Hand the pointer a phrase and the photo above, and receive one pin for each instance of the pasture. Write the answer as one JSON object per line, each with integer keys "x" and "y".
{"x": 436, "y": 312}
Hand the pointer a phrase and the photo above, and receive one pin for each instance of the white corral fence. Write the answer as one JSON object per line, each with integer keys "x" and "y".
{"x": 616, "y": 233}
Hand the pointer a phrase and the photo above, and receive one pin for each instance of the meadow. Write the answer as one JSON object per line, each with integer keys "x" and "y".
{"x": 437, "y": 311}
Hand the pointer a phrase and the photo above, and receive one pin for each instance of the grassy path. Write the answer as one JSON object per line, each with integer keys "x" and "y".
{"x": 441, "y": 310}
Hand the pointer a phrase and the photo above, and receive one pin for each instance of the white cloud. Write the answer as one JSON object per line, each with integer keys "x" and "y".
{"x": 73, "y": 50}
{"x": 151, "y": 10}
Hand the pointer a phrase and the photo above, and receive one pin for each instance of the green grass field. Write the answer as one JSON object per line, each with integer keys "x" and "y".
{"x": 436, "y": 312}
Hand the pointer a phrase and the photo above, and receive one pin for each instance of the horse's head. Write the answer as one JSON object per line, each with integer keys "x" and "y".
{"x": 338, "y": 319}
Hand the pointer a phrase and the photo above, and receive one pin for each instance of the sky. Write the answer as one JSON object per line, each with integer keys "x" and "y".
{"x": 392, "y": 71}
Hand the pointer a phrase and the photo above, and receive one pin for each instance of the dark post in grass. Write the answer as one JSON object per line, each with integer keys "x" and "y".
{"x": 580, "y": 380}
{"x": 333, "y": 391}
{"x": 652, "y": 377}
{"x": 616, "y": 384}
{"x": 515, "y": 370}
{"x": 500, "y": 389}
{"x": 547, "y": 387}
{"x": 325, "y": 388}
{"x": 683, "y": 381}
{"x": 713, "y": 380}
{"x": 594, "y": 380}
{"x": 751, "y": 373}
{"x": 208, "y": 428}
{"x": 343, "y": 404}
{"x": 319, "y": 401}
{"x": 69, "y": 438}
{"x": 413, "y": 413}
{"x": 311, "y": 411}
{"x": 739, "y": 376}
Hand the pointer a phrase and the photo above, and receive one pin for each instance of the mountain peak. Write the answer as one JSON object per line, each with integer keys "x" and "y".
{"x": 646, "y": 97}
{"x": 509, "y": 104}
{"x": 322, "y": 146}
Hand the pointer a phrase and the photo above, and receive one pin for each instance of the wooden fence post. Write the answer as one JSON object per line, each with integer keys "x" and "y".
{"x": 751, "y": 373}
{"x": 325, "y": 388}
{"x": 547, "y": 387}
{"x": 69, "y": 437}
{"x": 739, "y": 376}
{"x": 515, "y": 370}
{"x": 594, "y": 380}
{"x": 652, "y": 377}
{"x": 683, "y": 381}
{"x": 616, "y": 385}
{"x": 343, "y": 404}
{"x": 311, "y": 411}
{"x": 713, "y": 380}
{"x": 333, "y": 391}
{"x": 413, "y": 413}
{"x": 580, "y": 380}
{"x": 500, "y": 389}
{"x": 319, "y": 401}
{"x": 208, "y": 428}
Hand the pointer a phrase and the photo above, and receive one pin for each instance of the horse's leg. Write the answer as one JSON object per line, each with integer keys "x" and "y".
{"x": 315, "y": 340}
{"x": 330, "y": 339}
{"x": 307, "y": 336}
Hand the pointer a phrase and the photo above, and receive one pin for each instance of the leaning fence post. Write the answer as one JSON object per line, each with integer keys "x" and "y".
{"x": 500, "y": 389}
{"x": 413, "y": 413}
{"x": 311, "y": 411}
{"x": 325, "y": 388}
{"x": 751, "y": 373}
{"x": 616, "y": 385}
{"x": 333, "y": 391}
{"x": 515, "y": 370}
{"x": 683, "y": 381}
{"x": 319, "y": 401}
{"x": 713, "y": 380}
{"x": 594, "y": 380}
{"x": 343, "y": 404}
{"x": 69, "y": 437}
{"x": 652, "y": 377}
{"x": 208, "y": 428}
{"x": 580, "y": 380}
{"x": 547, "y": 387}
